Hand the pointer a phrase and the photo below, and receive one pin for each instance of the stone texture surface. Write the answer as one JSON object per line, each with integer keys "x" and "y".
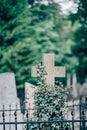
{"x": 68, "y": 85}
{"x": 8, "y": 96}
{"x": 29, "y": 96}
{"x": 52, "y": 70}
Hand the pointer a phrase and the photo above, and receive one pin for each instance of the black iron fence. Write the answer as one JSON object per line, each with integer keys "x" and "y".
{"x": 14, "y": 119}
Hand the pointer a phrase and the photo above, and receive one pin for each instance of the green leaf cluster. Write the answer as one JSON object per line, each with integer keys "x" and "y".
{"x": 49, "y": 102}
{"x": 27, "y": 30}
{"x": 49, "y": 99}
{"x": 79, "y": 49}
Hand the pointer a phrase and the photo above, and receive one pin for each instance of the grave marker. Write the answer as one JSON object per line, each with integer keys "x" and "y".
{"x": 29, "y": 97}
{"x": 74, "y": 85}
{"x": 52, "y": 71}
{"x": 8, "y": 96}
{"x": 68, "y": 80}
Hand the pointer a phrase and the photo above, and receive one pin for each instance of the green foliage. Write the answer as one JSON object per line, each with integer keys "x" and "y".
{"x": 27, "y": 30}
{"x": 10, "y": 12}
{"x": 41, "y": 75}
{"x": 80, "y": 47}
{"x": 49, "y": 101}
{"x": 14, "y": 60}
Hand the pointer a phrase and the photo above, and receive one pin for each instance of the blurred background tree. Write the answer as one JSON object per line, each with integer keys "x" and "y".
{"x": 10, "y": 14}
{"x": 29, "y": 28}
{"x": 79, "y": 49}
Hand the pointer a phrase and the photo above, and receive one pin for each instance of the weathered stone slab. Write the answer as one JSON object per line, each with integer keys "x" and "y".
{"x": 68, "y": 81}
{"x": 8, "y": 96}
{"x": 29, "y": 96}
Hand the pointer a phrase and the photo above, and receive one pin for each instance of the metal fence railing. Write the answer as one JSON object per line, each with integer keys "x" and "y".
{"x": 14, "y": 119}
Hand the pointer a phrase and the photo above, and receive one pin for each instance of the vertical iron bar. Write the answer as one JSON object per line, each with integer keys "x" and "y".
{"x": 38, "y": 119}
{"x": 50, "y": 126}
{"x": 39, "y": 125}
{"x": 9, "y": 117}
{"x": 3, "y": 115}
{"x": 15, "y": 114}
{"x": 61, "y": 115}
{"x": 50, "y": 119}
{"x": 80, "y": 101}
{"x": 27, "y": 120}
{"x": 83, "y": 118}
{"x": 72, "y": 113}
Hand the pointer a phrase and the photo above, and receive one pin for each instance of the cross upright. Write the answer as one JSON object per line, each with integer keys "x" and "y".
{"x": 52, "y": 71}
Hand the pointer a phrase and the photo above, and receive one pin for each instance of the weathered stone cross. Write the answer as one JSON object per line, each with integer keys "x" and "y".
{"x": 52, "y": 71}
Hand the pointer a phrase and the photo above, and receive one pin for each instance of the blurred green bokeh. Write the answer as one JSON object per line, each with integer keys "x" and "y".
{"x": 29, "y": 28}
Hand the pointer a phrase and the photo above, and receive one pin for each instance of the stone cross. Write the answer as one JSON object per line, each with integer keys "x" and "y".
{"x": 52, "y": 71}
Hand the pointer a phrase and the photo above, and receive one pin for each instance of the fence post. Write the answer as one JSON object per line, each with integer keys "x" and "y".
{"x": 27, "y": 116}
{"x": 15, "y": 114}
{"x": 38, "y": 119}
{"x": 72, "y": 113}
{"x": 61, "y": 115}
{"x": 3, "y": 115}
{"x": 50, "y": 119}
{"x": 80, "y": 101}
{"x": 9, "y": 117}
{"x": 83, "y": 118}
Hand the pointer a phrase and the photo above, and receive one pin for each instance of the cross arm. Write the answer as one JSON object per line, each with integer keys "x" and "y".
{"x": 59, "y": 71}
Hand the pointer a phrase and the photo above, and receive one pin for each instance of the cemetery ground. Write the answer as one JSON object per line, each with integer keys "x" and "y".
{"x": 49, "y": 106}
